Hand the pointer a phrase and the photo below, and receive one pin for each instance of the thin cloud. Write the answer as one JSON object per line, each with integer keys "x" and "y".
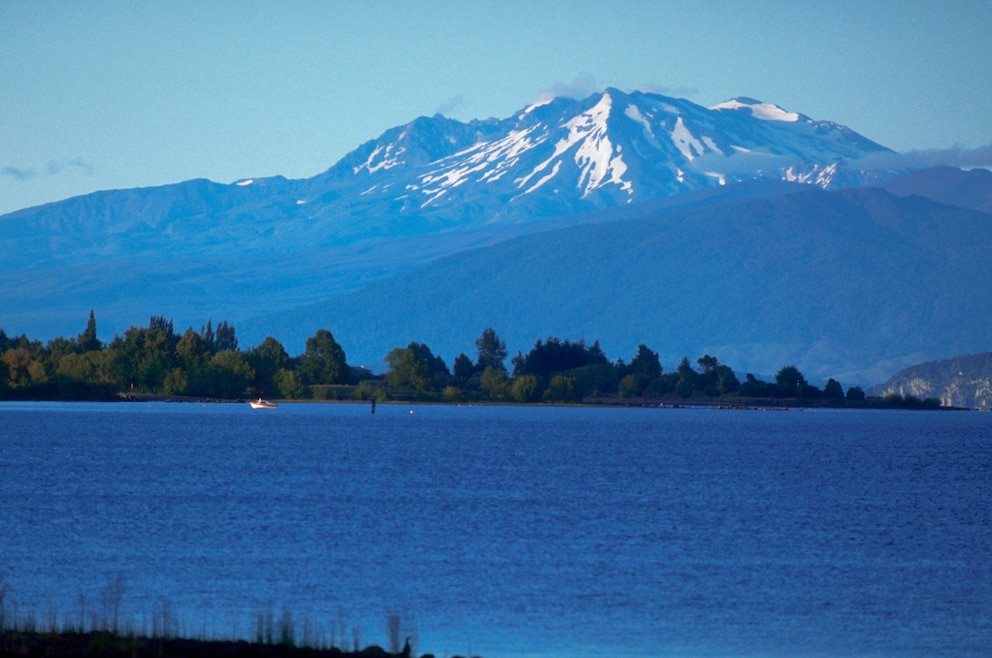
{"x": 664, "y": 90}
{"x": 450, "y": 105}
{"x": 53, "y": 168}
{"x": 745, "y": 163}
{"x": 957, "y": 156}
{"x": 582, "y": 86}
{"x": 18, "y": 174}
{"x": 57, "y": 167}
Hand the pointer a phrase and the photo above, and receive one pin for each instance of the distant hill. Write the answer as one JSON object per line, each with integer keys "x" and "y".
{"x": 962, "y": 381}
{"x": 854, "y": 284}
{"x": 968, "y": 189}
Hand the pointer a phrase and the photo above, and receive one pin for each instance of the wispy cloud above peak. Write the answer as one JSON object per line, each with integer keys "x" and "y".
{"x": 451, "y": 105}
{"x": 665, "y": 90}
{"x": 582, "y": 86}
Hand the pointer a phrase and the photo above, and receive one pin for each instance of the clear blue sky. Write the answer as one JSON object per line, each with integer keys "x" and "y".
{"x": 103, "y": 95}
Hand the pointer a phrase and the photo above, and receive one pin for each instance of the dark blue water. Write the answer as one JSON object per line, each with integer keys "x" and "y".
{"x": 510, "y": 531}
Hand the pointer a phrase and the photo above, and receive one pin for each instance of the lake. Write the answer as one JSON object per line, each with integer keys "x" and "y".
{"x": 508, "y": 531}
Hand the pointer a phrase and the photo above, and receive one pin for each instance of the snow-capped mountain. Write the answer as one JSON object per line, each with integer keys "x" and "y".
{"x": 567, "y": 156}
{"x": 557, "y": 158}
{"x": 508, "y": 201}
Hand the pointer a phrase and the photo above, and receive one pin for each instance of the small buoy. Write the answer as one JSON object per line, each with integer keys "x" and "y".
{"x": 411, "y": 411}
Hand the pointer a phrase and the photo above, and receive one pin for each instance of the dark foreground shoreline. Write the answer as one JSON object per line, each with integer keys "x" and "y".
{"x": 97, "y": 644}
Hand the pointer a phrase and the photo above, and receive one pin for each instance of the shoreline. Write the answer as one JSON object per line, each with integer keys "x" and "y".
{"x": 129, "y": 645}
{"x": 738, "y": 404}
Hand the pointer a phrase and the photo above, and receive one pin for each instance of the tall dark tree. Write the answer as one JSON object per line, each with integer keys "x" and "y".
{"x": 88, "y": 342}
{"x": 462, "y": 369}
{"x": 161, "y": 323}
{"x": 266, "y": 360}
{"x": 791, "y": 382}
{"x": 716, "y": 378}
{"x": 645, "y": 363}
{"x": 208, "y": 336}
{"x": 556, "y": 356}
{"x": 145, "y": 355}
{"x": 436, "y": 367}
{"x": 707, "y": 363}
{"x": 833, "y": 389}
{"x": 491, "y": 350}
{"x": 756, "y": 388}
{"x": 225, "y": 338}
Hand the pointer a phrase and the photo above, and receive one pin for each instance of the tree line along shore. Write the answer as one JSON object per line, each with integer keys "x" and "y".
{"x": 208, "y": 363}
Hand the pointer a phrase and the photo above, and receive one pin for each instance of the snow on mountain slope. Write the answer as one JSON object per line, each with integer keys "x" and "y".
{"x": 566, "y": 155}
{"x": 759, "y": 110}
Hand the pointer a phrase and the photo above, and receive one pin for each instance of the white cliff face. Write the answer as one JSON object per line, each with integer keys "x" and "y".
{"x": 959, "y": 382}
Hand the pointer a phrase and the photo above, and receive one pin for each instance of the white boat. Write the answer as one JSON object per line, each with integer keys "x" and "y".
{"x": 262, "y": 404}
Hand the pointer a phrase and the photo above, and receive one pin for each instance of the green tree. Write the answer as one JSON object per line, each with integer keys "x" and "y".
{"x": 77, "y": 377}
{"x": 491, "y": 350}
{"x": 21, "y": 361}
{"x": 437, "y": 369}
{"x": 525, "y": 389}
{"x": 833, "y": 389}
{"x": 855, "y": 393}
{"x": 556, "y": 356}
{"x": 630, "y": 386}
{"x": 266, "y": 360}
{"x": 407, "y": 369}
{"x": 756, "y": 388}
{"x": 645, "y": 364}
{"x": 77, "y": 368}
{"x": 56, "y": 349}
{"x": 707, "y": 363}
{"x": 595, "y": 379}
{"x": 562, "y": 389}
{"x": 452, "y": 394}
{"x": 4, "y": 376}
{"x": 495, "y": 383}
{"x": 228, "y": 374}
{"x": 715, "y": 379}
{"x": 289, "y": 385}
{"x": 323, "y": 361}
{"x": 147, "y": 354}
{"x": 462, "y": 369}
{"x": 224, "y": 338}
{"x": 790, "y": 381}
{"x": 88, "y": 342}
{"x": 176, "y": 382}
{"x": 192, "y": 351}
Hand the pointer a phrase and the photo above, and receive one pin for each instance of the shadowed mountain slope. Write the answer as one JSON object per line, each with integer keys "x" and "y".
{"x": 852, "y": 284}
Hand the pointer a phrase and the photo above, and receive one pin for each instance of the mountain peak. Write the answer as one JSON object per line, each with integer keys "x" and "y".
{"x": 563, "y": 155}
{"x": 760, "y": 110}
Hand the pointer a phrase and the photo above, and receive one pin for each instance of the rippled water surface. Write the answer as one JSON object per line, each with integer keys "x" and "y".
{"x": 506, "y": 531}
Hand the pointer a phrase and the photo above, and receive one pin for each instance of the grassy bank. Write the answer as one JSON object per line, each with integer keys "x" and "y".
{"x": 102, "y": 630}
{"x": 106, "y": 643}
